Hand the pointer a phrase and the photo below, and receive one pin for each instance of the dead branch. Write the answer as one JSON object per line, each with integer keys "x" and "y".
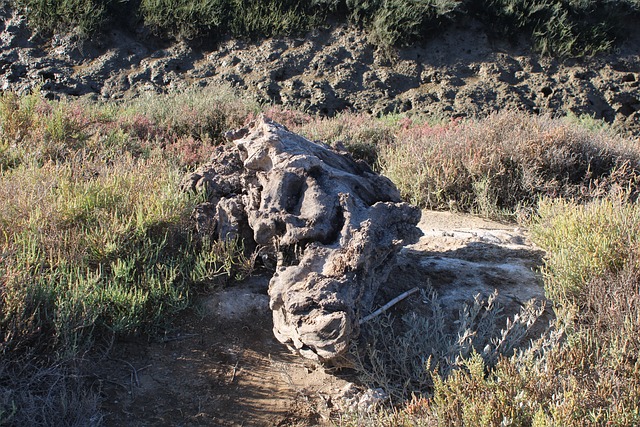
{"x": 388, "y": 305}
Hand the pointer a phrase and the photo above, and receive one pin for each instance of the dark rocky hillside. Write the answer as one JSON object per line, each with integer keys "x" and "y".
{"x": 460, "y": 72}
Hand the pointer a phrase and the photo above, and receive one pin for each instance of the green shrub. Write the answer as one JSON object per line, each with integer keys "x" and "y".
{"x": 94, "y": 234}
{"x": 585, "y": 242}
{"x": 397, "y": 22}
{"x": 92, "y": 226}
{"x": 560, "y": 28}
{"x": 271, "y": 18}
{"x": 185, "y": 18}
{"x": 240, "y": 18}
{"x": 330, "y": 5}
{"x": 81, "y": 16}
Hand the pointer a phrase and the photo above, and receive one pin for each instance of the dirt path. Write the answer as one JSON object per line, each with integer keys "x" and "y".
{"x": 221, "y": 365}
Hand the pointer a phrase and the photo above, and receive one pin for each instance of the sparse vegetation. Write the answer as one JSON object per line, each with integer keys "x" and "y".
{"x": 82, "y": 16}
{"x": 94, "y": 233}
{"x": 585, "y": 371}
{"x": 241, "y": 18}
{"x": 500, "y": 166}
{"x": 95, "y": 242}
{"x": 497, "y": 167}
{"x": 605, "y": 240}
{"x": 405, "y": 359}
{"x": 561, "y": 28}
{"x": 576, "y": 185}
{"x": 394, "y": 22}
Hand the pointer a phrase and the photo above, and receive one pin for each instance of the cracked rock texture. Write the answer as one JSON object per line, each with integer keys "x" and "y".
{"x": 332, "y": 226}
{"x": 460, "y": 72}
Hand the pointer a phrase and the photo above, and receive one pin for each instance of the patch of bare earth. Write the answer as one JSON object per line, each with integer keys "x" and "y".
{"x": 222, "y": 366}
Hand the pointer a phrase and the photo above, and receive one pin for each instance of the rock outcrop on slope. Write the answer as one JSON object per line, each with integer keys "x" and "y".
{"x": 460, "y": 72}
{"x": 332, "y": 226}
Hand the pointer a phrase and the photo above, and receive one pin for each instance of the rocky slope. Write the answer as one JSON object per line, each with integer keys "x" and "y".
{"x": 460, "y": 72}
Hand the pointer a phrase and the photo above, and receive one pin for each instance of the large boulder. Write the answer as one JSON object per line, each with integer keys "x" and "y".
{"x": 331, "y": 226}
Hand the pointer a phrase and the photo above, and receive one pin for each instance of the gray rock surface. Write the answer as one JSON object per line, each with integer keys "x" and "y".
{"x": 460, "y": 72}
{"x": 331, "y": 225}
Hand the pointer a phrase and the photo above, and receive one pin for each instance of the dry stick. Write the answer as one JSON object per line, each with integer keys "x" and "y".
{"x": 235, "y": 370}
{"x": 179, "y": 337}
{"x": 114, "y": 382}
{"x": 133, "y": 374}
{"x": 388, "y": 305}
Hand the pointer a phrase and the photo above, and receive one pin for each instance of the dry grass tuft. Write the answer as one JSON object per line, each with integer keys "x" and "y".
{"x": 502, "y": 165}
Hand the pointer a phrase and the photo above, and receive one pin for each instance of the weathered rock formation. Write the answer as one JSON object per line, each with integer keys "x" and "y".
{"x": 332, "y": 225}
{"x": 459, "y": 72}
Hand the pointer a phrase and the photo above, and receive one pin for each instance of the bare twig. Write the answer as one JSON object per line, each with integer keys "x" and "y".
{"x": 388, "y": 305}
{"x": 179, "y": 338}
{"x": 134, "y": 374}
{"x": 283, "y": 371}
{"x": 235, "y": 370}
{"x": 114, "y": 382}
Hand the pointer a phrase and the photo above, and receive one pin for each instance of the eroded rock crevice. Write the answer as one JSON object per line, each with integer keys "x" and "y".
{"x": 329, "y": 223}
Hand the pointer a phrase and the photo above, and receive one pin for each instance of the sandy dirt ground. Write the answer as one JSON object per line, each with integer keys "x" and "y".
{"x": 220, "y": 366}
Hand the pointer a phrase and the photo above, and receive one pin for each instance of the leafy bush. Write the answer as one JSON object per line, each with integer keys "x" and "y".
{"x": 562, "y": 28}
{"x": 185, "y": 18}
{"x": 240, "y": 18}
{"x": 271, "y": 18}
{"x": 393, "y": 22}
{"x": 584, "y": 242}
{"x": 399, "y": 22}
{"x": 93, "y": 215}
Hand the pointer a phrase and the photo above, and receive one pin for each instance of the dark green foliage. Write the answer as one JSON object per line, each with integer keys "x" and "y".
{"x": 240, "y": 18}
{"x": 270, "y": 18}
{"x": 561, "y": 28}
{"x": 393, "y": 22}
{"x": 83, "y": 16}
{"x": 184, "y": 18}
{"x": 362, "y": 11}
{"x": 401, "y": 22}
